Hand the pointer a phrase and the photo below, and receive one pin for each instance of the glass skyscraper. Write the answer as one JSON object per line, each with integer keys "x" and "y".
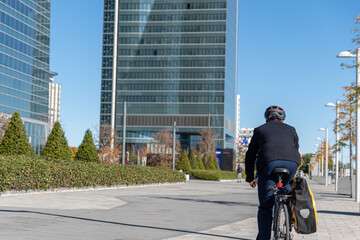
{"x": 170, "y": 60}
{"x": 24, "y": 64}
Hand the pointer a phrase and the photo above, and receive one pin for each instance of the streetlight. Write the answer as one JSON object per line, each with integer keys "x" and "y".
{"x": 348, "y": 54}
{"x": 326, "y": 154}
{"x": 174, "y": 146}
{"x": 124, "y": 135}
{"x": 322, "y": 157}
{"x": 337, "y": 142}
{"x": 315, "y": 149}
{"x": 313, "y": 160}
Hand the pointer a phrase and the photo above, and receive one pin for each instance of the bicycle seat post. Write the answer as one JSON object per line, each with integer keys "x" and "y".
{"x": 280, "y": 178}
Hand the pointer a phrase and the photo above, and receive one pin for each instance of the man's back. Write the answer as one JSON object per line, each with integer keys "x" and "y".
{"x": 273, "y": 140}
{"x": 278, "y": 141}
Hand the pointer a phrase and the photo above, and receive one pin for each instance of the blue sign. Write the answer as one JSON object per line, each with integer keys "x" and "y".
{"x": 218, "y": 153}
{"x": 244, "y": 141}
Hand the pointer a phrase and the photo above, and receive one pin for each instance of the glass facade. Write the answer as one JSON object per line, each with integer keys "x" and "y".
{"x": 24, "y": 64}
{"x": 170, "y": 60}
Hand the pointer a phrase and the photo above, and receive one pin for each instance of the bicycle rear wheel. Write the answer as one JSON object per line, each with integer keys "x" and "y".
{"x": 281, "y": 223}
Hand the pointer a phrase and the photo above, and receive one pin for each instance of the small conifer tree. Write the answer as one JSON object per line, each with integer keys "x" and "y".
{"x": 184, "y": 163}
{"x": 210, "y": 164}
{"x": 87, "y": 151}
{"x": 204, "y": 160}
{"x": 200, "y": 162}
{"x": 193, "y": 162}
{"x": 57, "y": 146}
{"x": 15, "y": 140}
{"x": 216, "y": 163}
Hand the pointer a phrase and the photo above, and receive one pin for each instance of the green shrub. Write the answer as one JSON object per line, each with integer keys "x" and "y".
{"x": 200, "y": 162}
{"x": 210, "y": 164}
{"x": 57, "y": 146}
{"x": 15, "y": 140}
{"x": 36, "y": 173}
{"x": 213, "y": 175}
{"x": 87, "y": 151}
{"x": 193, "y": 162}
{"x": 215, "y": 163}
{"x": 203, "y": 159}
{"x": 133, "y": 158}
{"x": 184, "y": 163}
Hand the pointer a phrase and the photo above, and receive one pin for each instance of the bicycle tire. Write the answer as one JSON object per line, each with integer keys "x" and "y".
{"x": 281, "y": 223}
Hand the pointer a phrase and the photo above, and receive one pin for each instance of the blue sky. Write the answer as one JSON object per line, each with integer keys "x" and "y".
{"x": 287, "y": 56}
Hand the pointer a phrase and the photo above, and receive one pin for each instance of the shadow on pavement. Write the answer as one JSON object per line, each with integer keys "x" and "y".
{"x": 123, "y": 224}
{"x": 339, "y": 213}
{"x": 333, "y": 195}
{"x": 210, "y": 201}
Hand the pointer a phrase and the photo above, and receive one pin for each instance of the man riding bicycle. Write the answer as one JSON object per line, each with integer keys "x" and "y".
{"x": 273, "y": 145}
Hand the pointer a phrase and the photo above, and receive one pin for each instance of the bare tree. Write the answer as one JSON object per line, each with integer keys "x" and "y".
{"x": 4, "y": 122}
{"x": 356, "y": 31}
{"x": 143, "y": 151}
{"x": 242, "y": 149}
{"x": 162, "y": 148}
{"x": 207, "y": 144}
{"x": 107, "y": 137}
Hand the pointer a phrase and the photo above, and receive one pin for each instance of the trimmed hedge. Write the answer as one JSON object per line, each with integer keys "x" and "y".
{"x": 214, "y": 175}
{"x": 35, "y": 173}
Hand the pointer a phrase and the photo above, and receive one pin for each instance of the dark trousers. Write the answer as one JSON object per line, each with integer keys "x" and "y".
{"x": 266, "y": 197}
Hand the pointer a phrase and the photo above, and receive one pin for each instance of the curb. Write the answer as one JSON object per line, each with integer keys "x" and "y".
{"x": 56, "y": 190}
{"x": 228, "y": 180}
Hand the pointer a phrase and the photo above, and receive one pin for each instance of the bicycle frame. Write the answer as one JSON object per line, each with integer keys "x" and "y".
{"x": 282, "y": 198}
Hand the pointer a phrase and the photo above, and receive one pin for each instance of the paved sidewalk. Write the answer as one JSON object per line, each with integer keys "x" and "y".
{"x": 338, "y": 218}
{"x": 134, "y": 213}
{"x": 196, "y": 210}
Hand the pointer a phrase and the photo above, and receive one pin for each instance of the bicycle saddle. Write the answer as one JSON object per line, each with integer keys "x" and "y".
{"x": 281, "y": 171}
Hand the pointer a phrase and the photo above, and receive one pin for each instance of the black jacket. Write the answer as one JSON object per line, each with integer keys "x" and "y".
{"x": 273, "y": 140}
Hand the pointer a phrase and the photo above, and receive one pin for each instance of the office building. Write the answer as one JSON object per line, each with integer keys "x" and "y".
{"x": 170, "y": 60}
{"x": 24, "y": 64}
{"x": 54, "y": 100}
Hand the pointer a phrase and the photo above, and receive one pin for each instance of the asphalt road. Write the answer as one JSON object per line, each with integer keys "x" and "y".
{"x": 149, "y": 212}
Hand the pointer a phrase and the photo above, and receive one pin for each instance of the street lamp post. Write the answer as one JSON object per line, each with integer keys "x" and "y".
{"x": 326, "y": 154}
{"x": 348, "y": 54}
{"x": 337, "y": 143}
{"x": 313, "y": 161}
{"x": 322, "y": 157}
{"x": 174, "y": 146}
{"x": 124, "y": 135}
{"x": 317, "y": 145}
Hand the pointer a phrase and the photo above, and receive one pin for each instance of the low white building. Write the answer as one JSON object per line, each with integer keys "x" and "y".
{"x": 245, "y": 135}
{"x": 54, "y": 100}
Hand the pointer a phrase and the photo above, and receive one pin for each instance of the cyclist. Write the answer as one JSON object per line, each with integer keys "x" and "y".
{"x": 273, "y": 145}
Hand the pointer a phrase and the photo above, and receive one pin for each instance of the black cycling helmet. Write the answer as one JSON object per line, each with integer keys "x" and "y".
{"x": 275, "y": 112}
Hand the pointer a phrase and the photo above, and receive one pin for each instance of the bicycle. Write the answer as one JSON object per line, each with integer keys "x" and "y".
{"x": 282, "y": 217}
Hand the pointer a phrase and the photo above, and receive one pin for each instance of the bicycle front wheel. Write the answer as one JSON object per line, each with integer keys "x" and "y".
{"x": 281, "y": 223}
